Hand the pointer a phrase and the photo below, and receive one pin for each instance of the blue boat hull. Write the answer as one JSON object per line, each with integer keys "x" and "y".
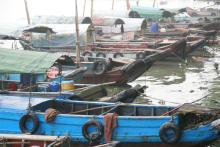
{"x": 130, "y": 129}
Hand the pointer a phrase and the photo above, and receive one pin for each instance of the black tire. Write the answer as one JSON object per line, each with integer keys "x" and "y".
{"x": 74, "y": 97}
{"x": 87, "y": 53}
{"x": 170, "y": 126}
{"x": 96, "y": 136}
{"x": 99, "y": 54}
{"x": 100, "y": 45}
{"x": 100, "y": 67}
{"x": 23, "y": 120}
{"x": 140, "y": 55}
{"x": 116, "y": 55}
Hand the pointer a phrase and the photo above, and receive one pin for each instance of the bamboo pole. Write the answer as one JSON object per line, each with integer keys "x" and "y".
{"x": 128, "y": 4}
{"x": 137, "y": 2}
{"x": 154, "y": 3}
{"x": 84, "y": 8}
{"x": 28, "y": 17}
{"x": 91, "y": 9}
{"x": 113, "y": 4}
{"x": 27, "y": 12}
{"x": 32, "y": 137}
{"x": 77, "y": 36}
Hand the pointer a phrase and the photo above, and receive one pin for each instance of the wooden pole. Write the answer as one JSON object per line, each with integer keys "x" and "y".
{"x": 77, "y": 36}
{"x": 27, "y": 12}
{"x": 91, "y": 9}
{"x": 154, "y": 3}
{"x": 128, "y": 4}
{"x": 28, "y": 17}
{"x": 137, "y": 2}
{"x": 84, "y": 7}
{"x": 113, "y": 4}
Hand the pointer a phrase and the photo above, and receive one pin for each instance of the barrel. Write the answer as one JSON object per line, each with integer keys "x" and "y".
{"x": 54, "y": 87}
{"x": 154, "y": 27}
{"x": 12, "y": 86}
{"x": 67, "y": 85}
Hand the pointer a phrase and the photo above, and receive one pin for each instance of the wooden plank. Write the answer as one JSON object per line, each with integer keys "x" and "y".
{"x": 32, "y": 137}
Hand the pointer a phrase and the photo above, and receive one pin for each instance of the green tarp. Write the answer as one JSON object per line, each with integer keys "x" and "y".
{"x": 146, "y": 12}
{"x": 20, "y": 61}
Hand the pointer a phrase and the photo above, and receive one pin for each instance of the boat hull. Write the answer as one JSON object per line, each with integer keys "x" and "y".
{"x": 136, "y": 124}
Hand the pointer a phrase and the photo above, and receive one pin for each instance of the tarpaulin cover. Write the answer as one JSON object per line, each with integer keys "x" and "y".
{"x": 147, "y": 12}
{"x": 19, "y": 61}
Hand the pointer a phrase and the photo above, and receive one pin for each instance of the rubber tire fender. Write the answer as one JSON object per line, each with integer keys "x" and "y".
{"x": 118, "y": 54}
{"x": 87, "y": 53}
{"x": 100, "y": 45}
{"x": 96, "y": 123}
{"x": 23, "y": 120}
{"x": 100, "y": 62}
{"x": 140, "y": 55}
{"x": 170, "y": 126}
{"x": 103, "y": 55}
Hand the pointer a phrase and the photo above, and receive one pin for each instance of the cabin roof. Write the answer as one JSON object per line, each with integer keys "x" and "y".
{"x": 59, "y": 28}
{"x": 22, "y": 61}
{"x": 107, "y": 21}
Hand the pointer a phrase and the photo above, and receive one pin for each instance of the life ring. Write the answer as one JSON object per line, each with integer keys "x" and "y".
{"x": 99, "y": 54}
{"x": 99, "y": 67}
{"x": 87, "y": 53}
{"x": 96, "y": 135}
{"x": 173, "y": 138}
{"x": 22, "y": 123}
{"x": 116, "y": 55}
{"x": 140, "y": 55}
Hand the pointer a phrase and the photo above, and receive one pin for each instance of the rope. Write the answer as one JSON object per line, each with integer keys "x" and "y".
{"x": 183, "y": 105}
{"x": 178, "y": 57}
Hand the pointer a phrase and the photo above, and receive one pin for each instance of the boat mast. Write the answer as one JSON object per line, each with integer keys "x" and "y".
{"x": 77, "y": 36}
{"x": 113, "y": 4}
{"x": 128, "y": 4}
{"x": 154, "y": 3}
{"x": 28, "y": 17}
{"x": 137, "y": 2}
{"x": 84, "y": 7}
{"x": 91, "y": 9}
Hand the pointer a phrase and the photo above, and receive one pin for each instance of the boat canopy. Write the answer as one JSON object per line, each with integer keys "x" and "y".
{"x": 22, "y": 61}
{"x": 134, "y": 24}
{"x": 148, "y": 12}
{"x": 116, "y": 13}
{"x": 57, "y": 35}
{"x": 107, "y": 21}
{"x": 53, "y": 19}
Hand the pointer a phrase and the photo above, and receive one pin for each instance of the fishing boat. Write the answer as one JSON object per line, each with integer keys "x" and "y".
{"x": 89, "y": 122}
{"x": 140, "y": 50}
{"x": 97, "y": 71}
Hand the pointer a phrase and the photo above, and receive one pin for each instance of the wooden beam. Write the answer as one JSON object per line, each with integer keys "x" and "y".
{"x": 77, "y": 36}
{"x": 84, "y": 7}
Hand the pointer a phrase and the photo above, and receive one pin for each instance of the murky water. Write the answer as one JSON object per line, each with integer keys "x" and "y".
{"x": 174, "y": 81}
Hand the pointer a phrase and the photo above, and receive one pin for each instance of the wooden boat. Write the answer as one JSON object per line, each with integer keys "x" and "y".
{"x": 97, "y": 71}
{"x": 137, "y": 125}
{"x": 99, "y": 92}
{"x": 140, "y": 52}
